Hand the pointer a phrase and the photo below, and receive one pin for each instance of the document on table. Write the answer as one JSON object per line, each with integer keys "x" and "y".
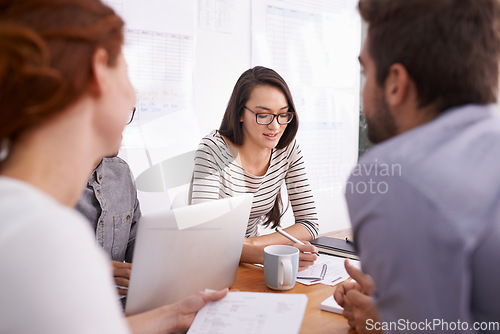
{"x": 251, "y": 312}
{"x": 335, "y": 272}
{"x": 314, "y": 272}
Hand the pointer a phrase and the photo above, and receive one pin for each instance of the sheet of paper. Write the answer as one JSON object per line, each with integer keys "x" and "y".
{"x": 159, "y": 15}
{"x": 314, "y": 272}
{"x": 335, "y": 272}
{"x": 251, "y": 312}
{"x": 216, "y": 15}
{"x": 160, "y": 52}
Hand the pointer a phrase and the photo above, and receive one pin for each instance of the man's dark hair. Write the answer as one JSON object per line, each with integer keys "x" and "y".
{"x": 450, "y": 48}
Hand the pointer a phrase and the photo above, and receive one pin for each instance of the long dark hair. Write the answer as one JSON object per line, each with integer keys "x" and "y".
{"x": 231, "y": 126}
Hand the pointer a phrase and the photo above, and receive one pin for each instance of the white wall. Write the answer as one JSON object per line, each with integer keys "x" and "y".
{"x": 220, "y": 59}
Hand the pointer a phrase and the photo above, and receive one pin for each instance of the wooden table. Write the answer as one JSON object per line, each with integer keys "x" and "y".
{"x": 251, "y": 278}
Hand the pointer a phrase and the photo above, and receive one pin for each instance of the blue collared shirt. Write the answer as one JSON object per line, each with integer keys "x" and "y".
{"x": 110, "y": 204}
{"x": 425, "y": 210}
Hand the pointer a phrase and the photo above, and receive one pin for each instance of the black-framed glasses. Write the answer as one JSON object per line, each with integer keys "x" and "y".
{"x": 264, "y": 118}
{"x": 132, "y": 113}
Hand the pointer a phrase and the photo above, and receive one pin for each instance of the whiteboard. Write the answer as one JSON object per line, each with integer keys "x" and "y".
{"x": 159, "y": 50}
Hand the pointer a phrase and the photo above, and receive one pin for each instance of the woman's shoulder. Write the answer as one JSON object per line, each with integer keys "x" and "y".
{"x": 213, "y": 138}
{"x": 290, "y": 150}
{"x": 213, "y": 141}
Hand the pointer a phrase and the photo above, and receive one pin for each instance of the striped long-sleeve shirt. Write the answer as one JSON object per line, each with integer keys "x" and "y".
{"x": 217, "y": 175}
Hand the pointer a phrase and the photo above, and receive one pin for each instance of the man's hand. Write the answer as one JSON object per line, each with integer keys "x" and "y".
{"x": 342, "y": 289}
{"x": 355, "y": 298}
{"x": 121, "y": 274}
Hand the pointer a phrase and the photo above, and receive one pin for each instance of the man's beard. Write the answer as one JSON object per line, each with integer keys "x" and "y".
{"x": 381, "y": 126}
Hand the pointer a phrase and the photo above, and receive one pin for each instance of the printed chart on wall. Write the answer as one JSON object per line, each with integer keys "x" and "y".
{"x": 314, "y": 46}
{"x": 159, "y": 49}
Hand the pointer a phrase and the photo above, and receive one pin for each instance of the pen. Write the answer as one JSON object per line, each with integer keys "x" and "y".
{"x": 336, "y": 279}
{"x": 349, "y": 240}
{"x": 288, "y": 236}
{"x": 291, "y": 238}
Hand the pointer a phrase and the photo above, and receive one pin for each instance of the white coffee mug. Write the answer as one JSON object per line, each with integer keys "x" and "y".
{"x": 281, "y": 263}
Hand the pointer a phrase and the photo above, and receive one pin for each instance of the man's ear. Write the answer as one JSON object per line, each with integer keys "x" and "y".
{"x": 397, "y": 85}
{"x": 100, "y": 69}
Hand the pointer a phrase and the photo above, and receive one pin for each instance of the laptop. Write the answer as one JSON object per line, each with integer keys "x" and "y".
{"x": 187, "y": 249}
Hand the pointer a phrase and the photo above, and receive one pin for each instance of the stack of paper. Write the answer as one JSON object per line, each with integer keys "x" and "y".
{"x": 331, "y": 305}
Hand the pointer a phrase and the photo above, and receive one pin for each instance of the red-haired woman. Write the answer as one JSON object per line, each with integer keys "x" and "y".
{"x": 65, "y": 98}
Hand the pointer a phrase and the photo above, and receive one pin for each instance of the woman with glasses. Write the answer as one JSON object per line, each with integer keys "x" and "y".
{"x": 255, "y": 151}
{"x": 65, "y": 98}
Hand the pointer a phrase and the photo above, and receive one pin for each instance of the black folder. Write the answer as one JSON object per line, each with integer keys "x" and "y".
{"x": 334, "y": 246}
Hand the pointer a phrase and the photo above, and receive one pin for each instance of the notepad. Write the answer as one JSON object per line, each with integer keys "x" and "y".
{"x": 314, "y": 272}
{"x": 331, "y": 305}
{"x": 334, "y": 246}
{"x": 251, "y": 312}
{"x": 335, "y": 272}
